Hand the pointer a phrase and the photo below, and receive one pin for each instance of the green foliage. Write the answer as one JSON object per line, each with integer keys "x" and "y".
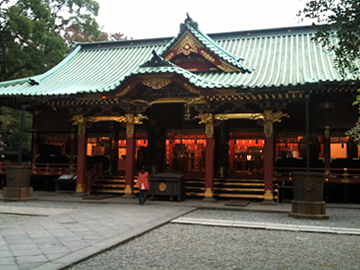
{"x": 338, "y": 31}
{"x": 31, "y": 34}
{"x": 35, "y": 35}
{"x": 10, "y": 128}
{"x": 32, "y": 42}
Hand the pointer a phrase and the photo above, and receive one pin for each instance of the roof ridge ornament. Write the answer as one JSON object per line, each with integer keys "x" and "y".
{"x": 33, "y": 81}
{"x": 156, "y": 61}
{"x": 188, "y": 21}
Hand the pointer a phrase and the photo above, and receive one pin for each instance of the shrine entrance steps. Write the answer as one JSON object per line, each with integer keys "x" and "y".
{"x": 110, "y": 185}
{"x": 228, "y": 189}
{"x": 224, "y": 189}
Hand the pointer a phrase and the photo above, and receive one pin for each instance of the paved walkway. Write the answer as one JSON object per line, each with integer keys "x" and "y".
{"x": 68, "y": 236}
{"x": 266, "y": 226}
{"x": 65, "y": 236}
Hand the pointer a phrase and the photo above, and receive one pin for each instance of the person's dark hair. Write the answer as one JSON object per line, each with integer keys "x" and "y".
{"x": 143, "y": 169}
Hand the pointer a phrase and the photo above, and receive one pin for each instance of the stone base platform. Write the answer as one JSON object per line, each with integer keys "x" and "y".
{"x": 17, "y": 194}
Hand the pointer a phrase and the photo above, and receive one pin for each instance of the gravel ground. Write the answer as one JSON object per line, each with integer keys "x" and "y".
{"x": 177, "y": 246}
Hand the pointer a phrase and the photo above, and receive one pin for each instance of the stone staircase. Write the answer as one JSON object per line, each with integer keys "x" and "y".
{"x": 110, "y": 185}
{"x": 251, "y": 189}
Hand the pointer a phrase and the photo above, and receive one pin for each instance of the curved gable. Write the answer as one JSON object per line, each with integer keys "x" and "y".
{"x": 193, "y": 50}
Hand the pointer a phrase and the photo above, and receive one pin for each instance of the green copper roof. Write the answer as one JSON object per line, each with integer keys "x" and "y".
{"x": 281, "y": 58}
{"x": 157, "y": 64}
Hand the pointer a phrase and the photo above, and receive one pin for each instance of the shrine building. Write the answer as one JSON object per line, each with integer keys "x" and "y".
{"x": 235, "y": 113}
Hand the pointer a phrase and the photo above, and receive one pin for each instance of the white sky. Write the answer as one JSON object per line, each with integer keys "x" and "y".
{"x": 161, "y": 18}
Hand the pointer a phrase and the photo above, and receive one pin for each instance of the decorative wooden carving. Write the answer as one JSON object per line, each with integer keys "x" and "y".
{"x": 227, "y": 116}
{"x": 80, "y": 121}
{"x": 156, "y": 82}
{"x": 191, "y": 89}
{"x": 208, "y": 120}
{"x": 274, "y": 117}
{"x": 130, "y": 121}
{"x": 269, "y": 119}
{"x": 124, "y": 92}
{"x": 95, "y": 119}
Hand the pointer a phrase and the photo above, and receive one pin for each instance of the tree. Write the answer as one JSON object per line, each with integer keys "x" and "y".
{"x": 72, "y": 34}
{"x": 30, "y": 34}
{"x": 339, "y": 32}
{"x": 35, "y": 35}
{"x": 10, "y": 129}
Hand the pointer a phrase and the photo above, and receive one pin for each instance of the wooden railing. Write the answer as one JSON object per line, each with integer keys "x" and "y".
{"x": 332, "y": 175}
{"x": 44, "y": 168}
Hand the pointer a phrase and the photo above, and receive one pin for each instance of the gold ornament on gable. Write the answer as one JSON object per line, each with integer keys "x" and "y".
{"x": 157, "y": 83}
{"x": 187, "y": 50}
{"x": 186, "y": 45}
{"x": 207, "y": 56}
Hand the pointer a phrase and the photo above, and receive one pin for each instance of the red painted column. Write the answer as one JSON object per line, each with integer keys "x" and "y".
{"x": 231, "y": 155}
{"x": 171, "y": 155}
{"x": 130, "y": 121}
{"x": 130, "y": 160}
{"x": 81, "y": 159}
{"x": 268, "y": 166}
{"x": 208, "y": 120}
{"x": 269, "y": 118}
{"x": 209, "y": 167}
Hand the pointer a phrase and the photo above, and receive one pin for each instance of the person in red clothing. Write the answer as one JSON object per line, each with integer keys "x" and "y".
{"x": 143, "y": 183}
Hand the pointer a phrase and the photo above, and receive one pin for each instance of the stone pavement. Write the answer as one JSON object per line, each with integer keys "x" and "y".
{"x": 65, "y": 237}
{"x": 62, "y": 237}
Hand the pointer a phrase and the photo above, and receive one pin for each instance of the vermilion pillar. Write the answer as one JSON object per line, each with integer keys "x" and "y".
{"x": 269, "y": 119}
{"x": 130, "y": 160}
{"x": 268, "y": 166}
{"x": 231, "y": 155}
{"x": 208, "y": 120}
{"x": 209, "y": 167}
{"x": 130, "y": 121}
{"x": 82, "y": 155}
{"x": 171, "y": 155}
